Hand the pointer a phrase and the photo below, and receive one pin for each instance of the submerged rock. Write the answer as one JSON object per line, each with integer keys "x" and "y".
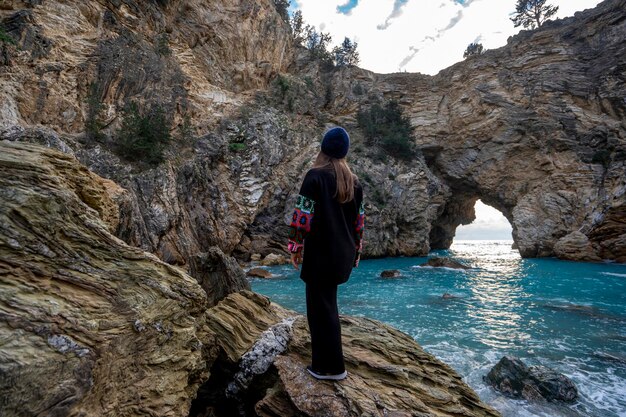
{"x": 388, "y": 372}
{"x": 448, "y": 296}
{"x": 390, "y": 273}
{"x": 513, "y": 378}
{"x": 584, "y": 310}
{"x": 259, "y": 273}
{"x": 444, "y": 263}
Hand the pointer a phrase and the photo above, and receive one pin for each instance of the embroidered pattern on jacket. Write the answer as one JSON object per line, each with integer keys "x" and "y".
{"x": 359, "y": 226}
{"x": 300, "y": 223}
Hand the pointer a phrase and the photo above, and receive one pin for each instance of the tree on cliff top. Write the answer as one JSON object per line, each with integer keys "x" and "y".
{"x": 282, "y": 7}
{"x": 346, "y": 54}
{"x": 473, "y": 49}
{"x": 318, "y": 43}
{"x": 532, "y": 13}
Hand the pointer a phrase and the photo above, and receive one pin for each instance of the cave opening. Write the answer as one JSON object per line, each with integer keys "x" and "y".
{"x": 468, "y": 217}
{"x": 489, "y": 224}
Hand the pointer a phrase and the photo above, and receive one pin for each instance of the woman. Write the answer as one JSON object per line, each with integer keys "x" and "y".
{"x": 326, "y": 236}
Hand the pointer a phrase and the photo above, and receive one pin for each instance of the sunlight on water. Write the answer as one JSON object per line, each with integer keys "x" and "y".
{"x": 566, "y": 315}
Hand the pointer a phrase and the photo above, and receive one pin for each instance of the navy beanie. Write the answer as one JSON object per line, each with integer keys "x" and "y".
{"x": 336, "y": 143}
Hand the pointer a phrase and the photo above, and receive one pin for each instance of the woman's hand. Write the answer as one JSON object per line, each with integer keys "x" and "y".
{"x": 296, "y": 258}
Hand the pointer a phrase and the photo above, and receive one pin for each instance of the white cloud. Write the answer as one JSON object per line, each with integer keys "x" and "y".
{"x": 421, "y": 35}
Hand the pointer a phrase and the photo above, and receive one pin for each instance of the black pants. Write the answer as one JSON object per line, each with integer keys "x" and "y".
{"x": 323, "y": 317}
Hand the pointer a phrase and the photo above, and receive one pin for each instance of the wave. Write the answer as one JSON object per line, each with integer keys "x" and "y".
{"x": 613, "y": 274}
{"x": 444, "y": 268}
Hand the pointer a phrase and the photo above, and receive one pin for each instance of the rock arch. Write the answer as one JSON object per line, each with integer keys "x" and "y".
{"x": 540, "y": 136}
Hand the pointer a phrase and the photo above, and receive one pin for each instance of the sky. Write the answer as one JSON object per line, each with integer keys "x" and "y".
{"x": 489, "y": 224}
{"x": 425, "y": 36}
{"x": 418, "y": 35}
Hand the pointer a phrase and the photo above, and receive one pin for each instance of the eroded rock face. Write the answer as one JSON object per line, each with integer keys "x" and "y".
{"x": 388, "y": 373}
{"x": 90, "y": 325}
{"x": 534, "y": 129}
{"x": 191, "y": 58}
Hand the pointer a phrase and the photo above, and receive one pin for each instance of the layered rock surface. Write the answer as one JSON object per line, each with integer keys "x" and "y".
{"x": 388, "y": 373}
{"x": 88, "y": 325}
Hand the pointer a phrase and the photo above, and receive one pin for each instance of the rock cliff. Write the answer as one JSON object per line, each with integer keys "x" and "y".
{"x": 534, "y": 128}
{"x": 90, "y": 326}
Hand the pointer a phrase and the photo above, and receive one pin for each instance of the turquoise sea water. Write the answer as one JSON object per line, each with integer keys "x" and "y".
{"x": 570, "y": 316}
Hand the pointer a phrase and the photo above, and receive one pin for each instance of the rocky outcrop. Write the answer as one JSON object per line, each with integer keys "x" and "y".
{"x": 193, "y": 58}
{"x": 273, "y": 259}
{"x": 576, "y": 246}
{"x": 388, "y": 373}
{"x": 90, "y": 326}
{"x": 534, "y": 129}
{"x": 533, "y": 383}
{"x": 217, "y": 274}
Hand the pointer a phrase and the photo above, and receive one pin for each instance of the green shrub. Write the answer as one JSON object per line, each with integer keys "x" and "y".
{"x": 143, "y": 137}
{"x": 358, "y": 89}
{"x": 94, "y": 123}
{"x": 5, "y": 37}
{"x": 385, "y": 126}
{"x": 237, "y": 146}
{"x": 162, "y": 45}
{"x": 473, "y": 49}
{"x": 185, "y": 130}
{"x": 283, "y": 85}
{"x": 282, "y": 7}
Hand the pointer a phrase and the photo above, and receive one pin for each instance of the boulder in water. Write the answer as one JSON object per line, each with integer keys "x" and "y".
{"x": 273, "y": 259}
{"x": 390, "y": 273}
{"x": 513, "y": 378}
{"x": 444, "y": 263}
{"x": 259, "y": 273}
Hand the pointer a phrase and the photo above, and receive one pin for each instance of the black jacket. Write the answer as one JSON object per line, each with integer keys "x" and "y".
{"x": 330, "y": 232}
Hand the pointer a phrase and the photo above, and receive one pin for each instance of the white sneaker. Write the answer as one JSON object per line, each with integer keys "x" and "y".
{"x": 332, "y": 377}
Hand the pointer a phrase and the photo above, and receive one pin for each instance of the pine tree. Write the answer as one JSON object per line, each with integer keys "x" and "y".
{"x": 473, "y": 49}
{"x": 532, "y": 13}
{"x": 346, "y": 54}
{"x": 297, "y": 27}
{"x": 317, "y": 43}
{"x": 282, "y": 7}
